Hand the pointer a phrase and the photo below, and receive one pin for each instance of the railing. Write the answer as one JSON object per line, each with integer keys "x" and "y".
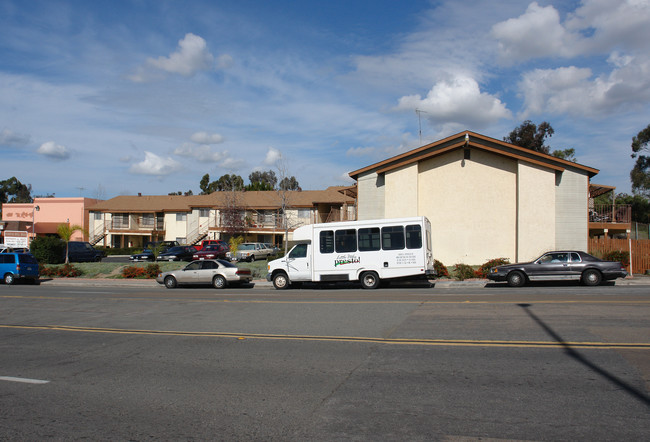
{"x": 97, "y": 234}
{"x": 611, "y": 214}
{"x": 139, "y": 223}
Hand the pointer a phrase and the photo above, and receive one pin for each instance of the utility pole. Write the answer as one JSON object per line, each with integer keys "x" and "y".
{"x": 419, "y": 112}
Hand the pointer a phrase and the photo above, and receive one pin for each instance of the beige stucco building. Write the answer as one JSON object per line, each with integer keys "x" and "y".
{"x": 485, "y": 198}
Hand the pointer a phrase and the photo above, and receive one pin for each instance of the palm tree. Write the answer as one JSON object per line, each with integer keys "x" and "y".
{"x": 66, "y": 231}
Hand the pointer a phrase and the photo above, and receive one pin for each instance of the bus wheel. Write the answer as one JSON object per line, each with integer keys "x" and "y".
{"x": 369, "y": 280}
{"x": 280, "y": 281}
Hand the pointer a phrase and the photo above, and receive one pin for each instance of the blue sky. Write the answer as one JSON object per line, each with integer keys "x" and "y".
{"x": 100, "y": 99}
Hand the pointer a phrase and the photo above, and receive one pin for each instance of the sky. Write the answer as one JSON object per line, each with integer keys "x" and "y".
{"x": 100, "y": 99}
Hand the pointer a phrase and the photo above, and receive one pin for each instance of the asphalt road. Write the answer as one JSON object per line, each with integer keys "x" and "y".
{"x": 551, "y": 362}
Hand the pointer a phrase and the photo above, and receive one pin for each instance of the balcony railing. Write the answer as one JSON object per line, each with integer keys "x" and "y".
{"x": 611, "y": 214}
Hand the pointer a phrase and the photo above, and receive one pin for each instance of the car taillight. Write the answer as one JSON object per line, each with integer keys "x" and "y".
{"x": 17, "y": 267}
{"x": 243, "y": 272}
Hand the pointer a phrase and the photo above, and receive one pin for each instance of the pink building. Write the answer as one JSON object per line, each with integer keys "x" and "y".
{"x": 25, "y": 220}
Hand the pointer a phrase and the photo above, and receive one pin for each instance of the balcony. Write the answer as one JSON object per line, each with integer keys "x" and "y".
{"x": 610, "y": 219}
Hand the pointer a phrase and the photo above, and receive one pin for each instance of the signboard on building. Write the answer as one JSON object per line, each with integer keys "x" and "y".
{"x": 16, "y": 239}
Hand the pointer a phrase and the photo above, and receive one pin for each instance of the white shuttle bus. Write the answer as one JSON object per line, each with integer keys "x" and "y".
{"x": 365, "y": 251}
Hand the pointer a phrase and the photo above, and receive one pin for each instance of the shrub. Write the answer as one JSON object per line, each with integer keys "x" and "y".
{"x": 463, "y": 272}
{"x": 484, "y": 270}
{"x": 441, "y": 270}
{"x": 64, "y": 271}
{"x": 150, "y": 271}
{"x": 617, "y": 255}
{"x": 48, "y": 249}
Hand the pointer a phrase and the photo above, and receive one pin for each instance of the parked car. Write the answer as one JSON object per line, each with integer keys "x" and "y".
{"x": 82, "y": 251}
{"x": 18, "y": 267}
{"x": 209, "y": 242}
{"x": 164, "y": 245}
{"x": 559, "y": 265}
{"x": 212, "y": 251}
{"x": 217, "y": 272}
{"x": 178, "y": 253}
{"x": 145, "y": 255}
{"x": 250, "y": 251}
{"x": 273, "y": 248}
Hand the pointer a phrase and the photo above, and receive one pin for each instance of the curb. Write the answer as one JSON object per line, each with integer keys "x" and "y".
{"x": 263, "y": 283}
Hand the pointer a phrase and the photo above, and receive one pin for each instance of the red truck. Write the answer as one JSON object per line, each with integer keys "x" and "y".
{"x": 206, "y": 242}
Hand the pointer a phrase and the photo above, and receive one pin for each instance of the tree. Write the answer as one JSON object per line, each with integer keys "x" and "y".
{"x": 289, "y": 183}
{"x": 566, "y": 154}
{"x": 225, "y": 182}
{"x": 640, "y": 174}
{"x": 13, "y": 191}
{"x": 531, "y": 136}
{"x": 66, "y": 231}
{"x": 262, "y": 180}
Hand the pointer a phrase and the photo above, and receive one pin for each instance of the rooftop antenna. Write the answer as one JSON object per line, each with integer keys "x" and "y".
{"x": 419, "y": 112}
{"x": 81, "y": 189}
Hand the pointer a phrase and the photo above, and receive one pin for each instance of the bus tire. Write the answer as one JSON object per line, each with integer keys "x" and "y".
{"x": 281, "y": 281}
{"x": 369, "y": 280}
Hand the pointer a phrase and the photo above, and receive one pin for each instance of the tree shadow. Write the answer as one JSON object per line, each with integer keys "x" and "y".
{"x": 636, "y": 393}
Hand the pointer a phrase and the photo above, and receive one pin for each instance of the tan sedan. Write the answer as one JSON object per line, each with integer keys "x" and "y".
{"x": 217, "y": 272}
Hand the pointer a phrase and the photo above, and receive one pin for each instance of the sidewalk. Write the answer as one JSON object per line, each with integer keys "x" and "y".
{"x": 262, "y": 283}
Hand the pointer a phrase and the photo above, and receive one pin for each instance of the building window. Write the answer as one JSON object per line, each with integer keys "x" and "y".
{"x": 181, "y": 217}
{"x": 147, "y": 220}
{"x": 304, "y": 213}
{"x": 204, "y": 213}
{"x": 121, "y": 220}
{"x": 97, "y": 216}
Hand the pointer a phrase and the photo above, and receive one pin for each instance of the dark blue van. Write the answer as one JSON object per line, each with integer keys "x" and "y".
{"x": 18, "y": 266}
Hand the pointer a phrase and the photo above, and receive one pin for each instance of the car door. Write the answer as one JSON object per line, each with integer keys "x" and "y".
{"x": 554, "y": 265}
{"x": 577, "y": 265}
{"x": 189, "y": 274}
{"x": 298, "y": 263}
{"x": 207, "y": 272}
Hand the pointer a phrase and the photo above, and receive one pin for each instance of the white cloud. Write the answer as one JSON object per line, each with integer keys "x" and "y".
{"x": 272, "y": 156}
{"x": 192, "y": 56}
{"x": 11, "y": 138}
{"x": 203, "y": 153}
{"x": 360, "y": 151}
{"x": 596, "y": 27}
{"x": 536, "y": 33}
{"x": 155, "y": 165}
{"x": 54, "y": 151}
{"x": 458, "y": 101}
{"x": 572, "y": 90}
{"x": 206, "y": 138}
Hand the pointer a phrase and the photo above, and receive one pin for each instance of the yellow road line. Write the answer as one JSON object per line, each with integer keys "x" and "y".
{"x": 422, "y": 342}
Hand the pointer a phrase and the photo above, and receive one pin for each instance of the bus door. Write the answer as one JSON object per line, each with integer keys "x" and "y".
{"x": 299, "y": 263}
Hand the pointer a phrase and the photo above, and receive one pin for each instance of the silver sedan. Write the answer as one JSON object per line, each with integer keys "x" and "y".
{"x": 217, "y": 272}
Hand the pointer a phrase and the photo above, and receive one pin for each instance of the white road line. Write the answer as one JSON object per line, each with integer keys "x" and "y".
{"x": 24, "y": 380}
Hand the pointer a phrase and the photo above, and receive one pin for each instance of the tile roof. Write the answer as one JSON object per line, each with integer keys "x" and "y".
{"x": 253, "y": 200}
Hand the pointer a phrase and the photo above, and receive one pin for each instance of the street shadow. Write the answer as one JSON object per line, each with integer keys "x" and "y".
{"x": 631, "y": 390}
{"x": 549, "y": 284}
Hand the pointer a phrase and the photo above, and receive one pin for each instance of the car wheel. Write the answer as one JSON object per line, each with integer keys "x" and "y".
{"x": 369, "y": 280}
{"x": 591, "y": 277}
{"x": 281, "y": 281}
{"x": 252, "y": 258}
{"x": 219, "y": 282}
{"x": 170, "y": 282}
{"x": 9, "y": 279}
{"x": 516, "y": 279}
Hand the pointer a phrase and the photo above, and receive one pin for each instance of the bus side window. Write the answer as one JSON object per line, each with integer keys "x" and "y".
{"x": 346, "y": 241}
{"x": 392, "y": 238}
{"x": 369, "y": 239}
{"x": 327, "y": 241}
{"x": 413, "y": 237}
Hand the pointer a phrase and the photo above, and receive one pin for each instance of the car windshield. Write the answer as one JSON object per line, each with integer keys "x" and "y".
{"x": 211, "y": 247}
{"x": 247, "y": 247}
{"x": 175, "y": 250}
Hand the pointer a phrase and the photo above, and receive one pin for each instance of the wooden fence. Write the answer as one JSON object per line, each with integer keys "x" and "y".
{"x": 640, "y": 250}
